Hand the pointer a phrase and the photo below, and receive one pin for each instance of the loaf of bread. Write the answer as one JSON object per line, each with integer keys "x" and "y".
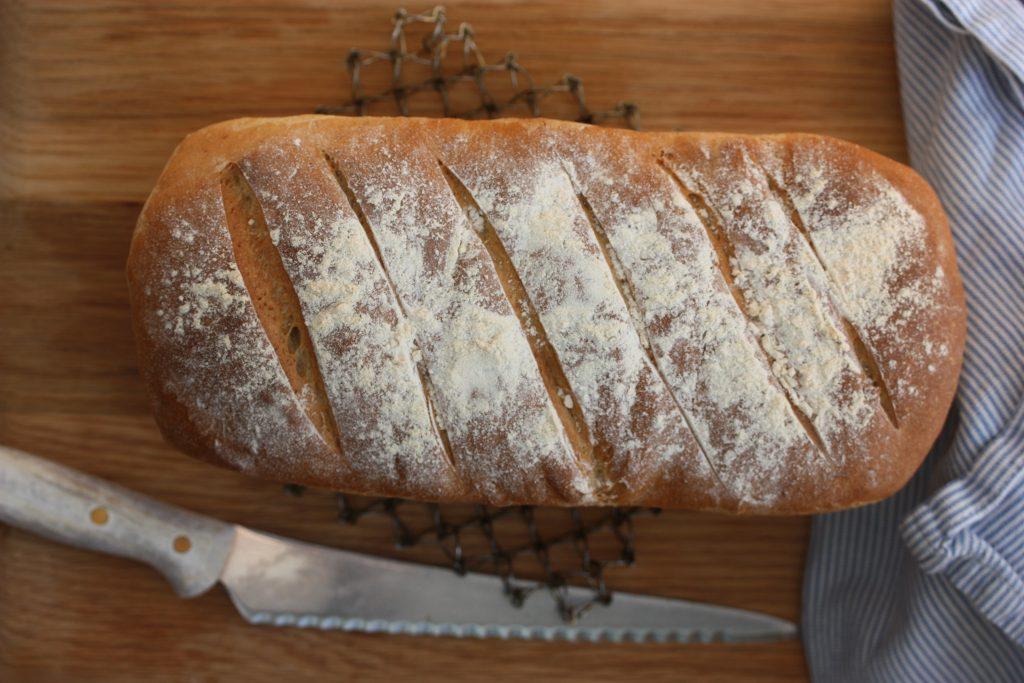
{"x": 542, "y": 312}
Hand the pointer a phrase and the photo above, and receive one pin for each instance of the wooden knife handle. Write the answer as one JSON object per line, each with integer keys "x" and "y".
{"x": 74, "y": 508}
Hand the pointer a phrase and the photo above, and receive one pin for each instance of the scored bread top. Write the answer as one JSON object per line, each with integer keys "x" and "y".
{"x": 532, "y": 311}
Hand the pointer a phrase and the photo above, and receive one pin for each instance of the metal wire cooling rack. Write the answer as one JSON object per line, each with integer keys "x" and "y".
{"x": 531, "y": 549}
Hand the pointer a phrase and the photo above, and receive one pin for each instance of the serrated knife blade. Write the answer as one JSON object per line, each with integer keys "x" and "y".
{"x": 284, "y": 582}
{"x": 275, "y": 580}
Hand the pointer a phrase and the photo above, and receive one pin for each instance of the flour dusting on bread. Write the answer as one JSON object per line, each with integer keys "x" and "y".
{"x": 550, "y": 313}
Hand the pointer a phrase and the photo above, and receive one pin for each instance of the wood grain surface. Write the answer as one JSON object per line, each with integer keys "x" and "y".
{"x": 93, "y": 97}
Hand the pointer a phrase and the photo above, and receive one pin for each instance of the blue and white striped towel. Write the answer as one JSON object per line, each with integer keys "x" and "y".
{"x": 929, "y": 585}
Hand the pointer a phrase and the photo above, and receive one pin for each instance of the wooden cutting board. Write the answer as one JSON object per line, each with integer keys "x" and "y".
{"x": 93, "y": 97}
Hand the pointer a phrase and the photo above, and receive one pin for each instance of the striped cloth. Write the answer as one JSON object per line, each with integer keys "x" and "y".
{"x": 929, "y": 585}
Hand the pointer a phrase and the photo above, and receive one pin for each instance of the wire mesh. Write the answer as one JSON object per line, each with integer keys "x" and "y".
{"x": 533, "y": 550}
{"x": 469, "y": 73}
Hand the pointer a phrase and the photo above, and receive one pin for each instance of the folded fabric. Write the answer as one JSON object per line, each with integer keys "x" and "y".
{"x": 929, "y": 585}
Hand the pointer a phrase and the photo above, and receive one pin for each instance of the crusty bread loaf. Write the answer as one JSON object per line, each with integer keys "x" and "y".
{"x": 531, "y": 311}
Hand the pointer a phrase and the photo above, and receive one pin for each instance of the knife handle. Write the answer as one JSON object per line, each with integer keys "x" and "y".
{"x": 68, "y": 506}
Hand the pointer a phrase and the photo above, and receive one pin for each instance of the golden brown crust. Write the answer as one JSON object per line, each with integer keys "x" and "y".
{"x": 453, "y": 282}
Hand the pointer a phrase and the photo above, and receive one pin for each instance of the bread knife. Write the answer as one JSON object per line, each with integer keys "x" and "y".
{"x": 275, "y": 580}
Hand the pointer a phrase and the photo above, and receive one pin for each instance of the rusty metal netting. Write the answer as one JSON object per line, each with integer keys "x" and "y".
{"x": 531, "y": 549}
{"x": 444, "y": 78}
